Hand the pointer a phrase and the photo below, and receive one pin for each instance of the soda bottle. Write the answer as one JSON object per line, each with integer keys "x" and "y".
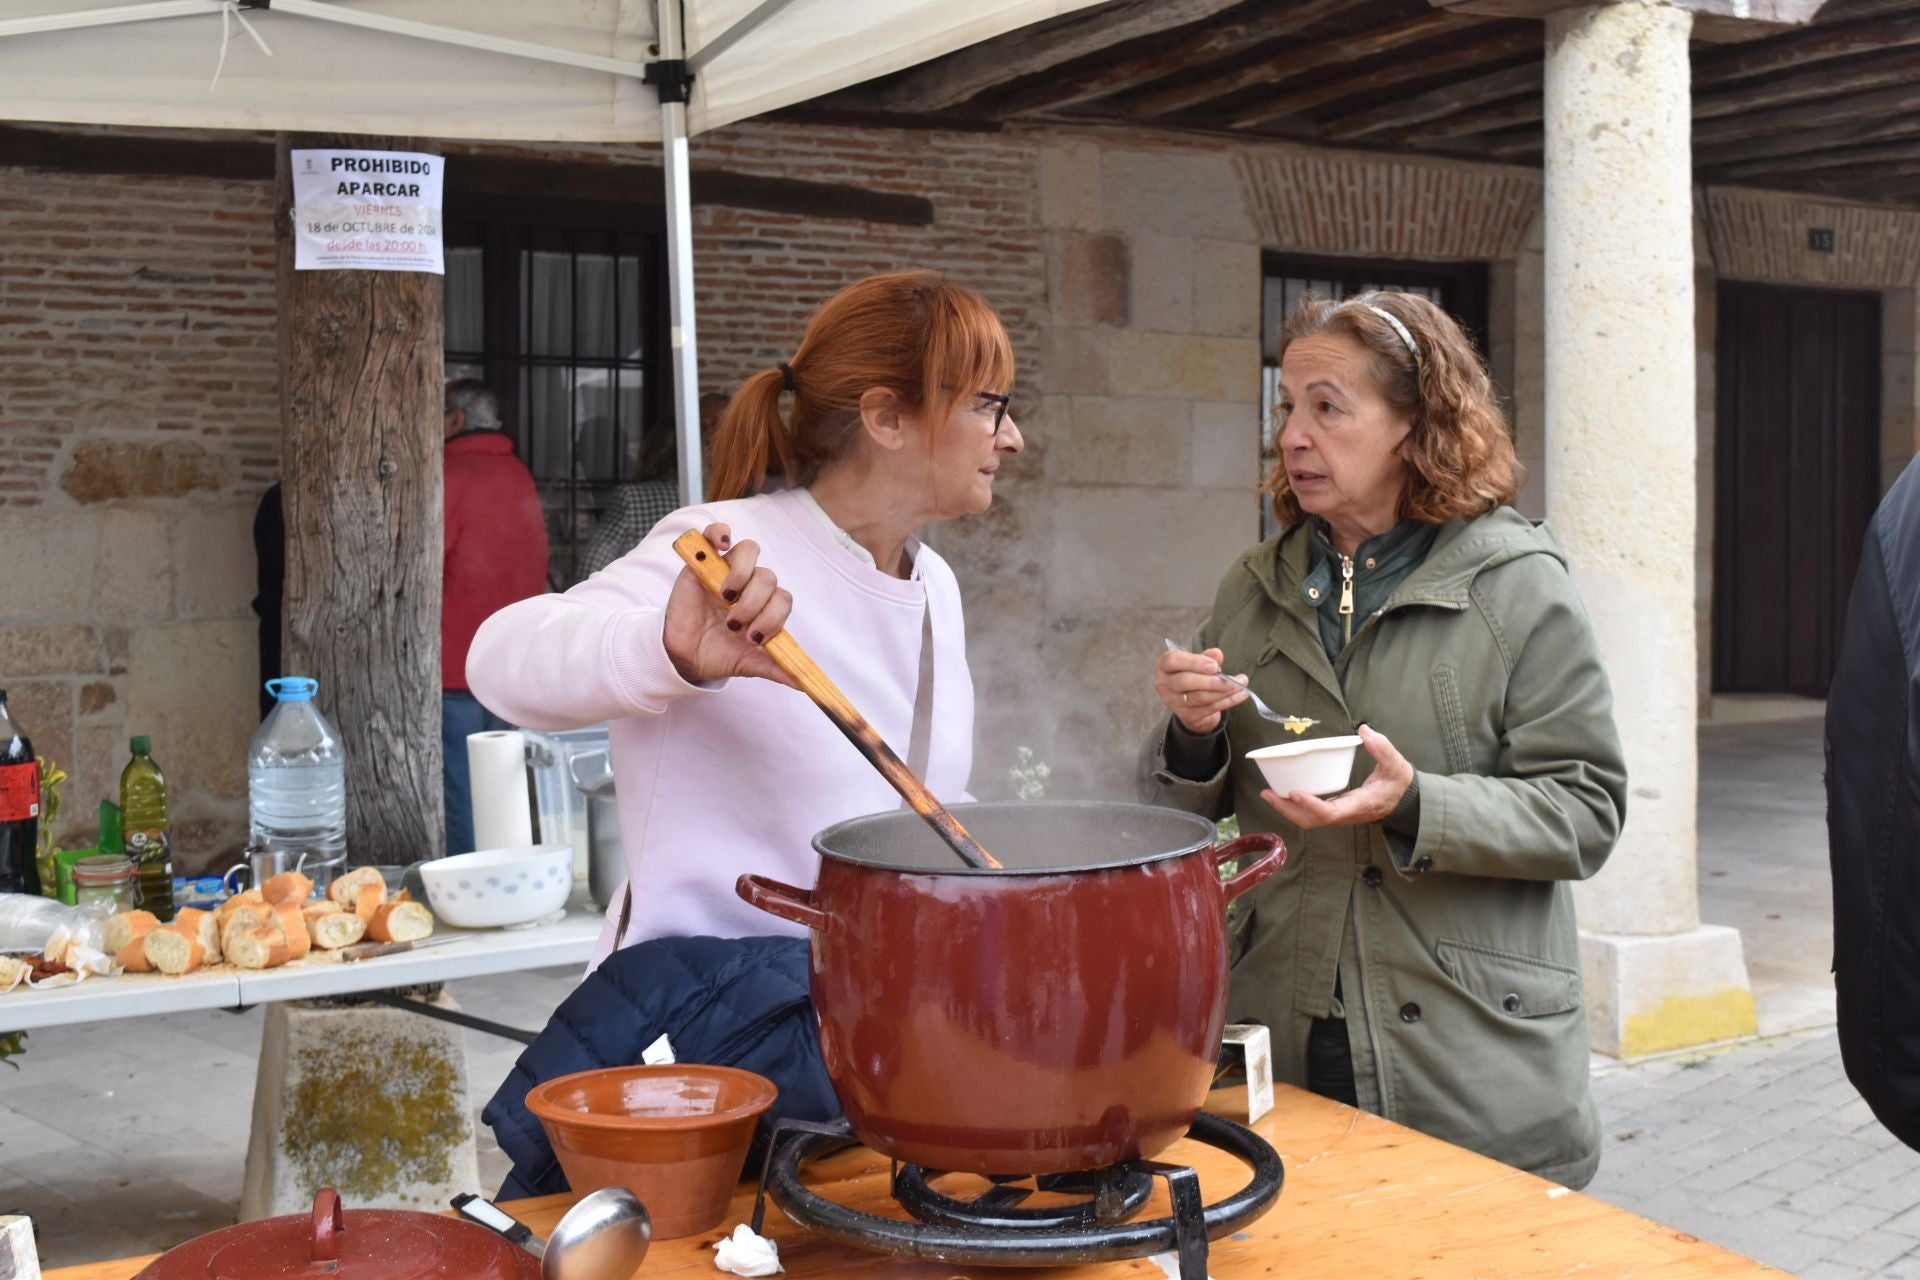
{"x": 144, "y": 828}
{"x": 19, "y": 807}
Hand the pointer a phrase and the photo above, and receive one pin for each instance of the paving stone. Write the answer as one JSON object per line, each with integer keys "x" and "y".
{"x": 1833, "y": 1271}
{"x": 1871, "y": 1249}
{"x": 1848, "y": 1221}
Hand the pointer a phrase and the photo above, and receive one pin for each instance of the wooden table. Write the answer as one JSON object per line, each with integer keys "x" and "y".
{"x": 1363, "y": 1198}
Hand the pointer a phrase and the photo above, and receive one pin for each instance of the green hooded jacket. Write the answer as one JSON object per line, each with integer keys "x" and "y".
{"x": 1456, "y": 951}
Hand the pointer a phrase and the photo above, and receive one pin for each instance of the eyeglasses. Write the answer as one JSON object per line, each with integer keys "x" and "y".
{"x": 1000, "y": 405}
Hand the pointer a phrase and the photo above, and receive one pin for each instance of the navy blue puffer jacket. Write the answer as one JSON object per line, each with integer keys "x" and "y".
{"x": 731, "y": 1002}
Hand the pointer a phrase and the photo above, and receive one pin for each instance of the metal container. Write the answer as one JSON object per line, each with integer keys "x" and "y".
{"x": 606, "y": 860}
{"x": 1061, "y": 1013}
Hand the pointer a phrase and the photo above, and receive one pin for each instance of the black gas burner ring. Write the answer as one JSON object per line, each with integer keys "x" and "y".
{"x": 1185, "y": 1232}
{"x": 1111, "y": 1195}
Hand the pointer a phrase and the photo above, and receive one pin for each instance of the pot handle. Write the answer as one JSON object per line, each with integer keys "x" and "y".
{"x": 783, "y": 900}
{"x": 1270, "y": 854}
{"x": 329, "y": 1224}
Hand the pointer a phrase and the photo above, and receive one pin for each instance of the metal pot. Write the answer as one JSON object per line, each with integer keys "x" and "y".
{"x": 1061, "y": 1013}
{"x": 606, "y": 861}
{"x": 365, "y": 1244}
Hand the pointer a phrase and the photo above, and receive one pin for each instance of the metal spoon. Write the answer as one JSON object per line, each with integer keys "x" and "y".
{"x": 1292, "y": 724}
{"x": 603, "y": 1237}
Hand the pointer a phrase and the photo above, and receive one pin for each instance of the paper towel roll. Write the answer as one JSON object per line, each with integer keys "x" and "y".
{"x": 497, "y": 771}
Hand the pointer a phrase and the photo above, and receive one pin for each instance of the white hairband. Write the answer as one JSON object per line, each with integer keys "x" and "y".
{"x": 1413, "y": 348}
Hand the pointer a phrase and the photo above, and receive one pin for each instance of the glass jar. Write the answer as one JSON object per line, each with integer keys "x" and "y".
{"x": 104, "y": 877}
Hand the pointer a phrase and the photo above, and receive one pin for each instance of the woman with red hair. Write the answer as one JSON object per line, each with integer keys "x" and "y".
{"x": 890, "y": 416}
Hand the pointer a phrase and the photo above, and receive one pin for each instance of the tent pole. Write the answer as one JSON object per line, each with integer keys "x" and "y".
{"x": 675, "y": 87}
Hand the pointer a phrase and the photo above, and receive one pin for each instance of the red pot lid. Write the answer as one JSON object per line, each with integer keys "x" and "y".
{"x": 366, "y": 1244}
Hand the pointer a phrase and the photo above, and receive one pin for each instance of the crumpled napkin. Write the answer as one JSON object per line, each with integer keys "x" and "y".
{"x": 746, "y": 1254}
{"x": 82, "y": 960}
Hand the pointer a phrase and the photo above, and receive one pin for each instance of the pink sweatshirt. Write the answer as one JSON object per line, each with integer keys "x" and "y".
{"x": 722, "y": 779}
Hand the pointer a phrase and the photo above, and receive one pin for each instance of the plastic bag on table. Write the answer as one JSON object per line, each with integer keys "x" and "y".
{"x": 74, "y": 936}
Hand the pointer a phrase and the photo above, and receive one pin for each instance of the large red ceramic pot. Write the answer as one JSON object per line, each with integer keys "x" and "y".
{"x": 1061, "y": 1013}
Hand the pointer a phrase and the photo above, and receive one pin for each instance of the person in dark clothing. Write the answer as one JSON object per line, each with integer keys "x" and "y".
{"x": 1873, "y": 817}
{"x": 270, "y": 556}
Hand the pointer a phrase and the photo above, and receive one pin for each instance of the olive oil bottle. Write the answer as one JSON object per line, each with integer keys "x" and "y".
{"x": 145, "y": 829}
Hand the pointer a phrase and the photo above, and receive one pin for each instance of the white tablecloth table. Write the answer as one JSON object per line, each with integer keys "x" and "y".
{"x": 473, "y": 953}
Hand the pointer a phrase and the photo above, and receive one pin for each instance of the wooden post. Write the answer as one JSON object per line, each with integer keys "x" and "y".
{"x": 361, "y": 473}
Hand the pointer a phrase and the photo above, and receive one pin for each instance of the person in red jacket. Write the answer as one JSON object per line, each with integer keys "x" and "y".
{"x": 496, "y": 553}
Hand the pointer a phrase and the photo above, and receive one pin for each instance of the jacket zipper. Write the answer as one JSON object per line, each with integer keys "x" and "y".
{"x": 1346, "y": 601}
{"x": 1366, "y": 1001}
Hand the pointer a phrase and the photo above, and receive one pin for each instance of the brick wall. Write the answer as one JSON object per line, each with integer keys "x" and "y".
{"x": 138, "y": 425}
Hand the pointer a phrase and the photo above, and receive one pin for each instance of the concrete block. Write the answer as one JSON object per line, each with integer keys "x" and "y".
{"x": 1073, "y": 361}
{"x": 218, "y": 543}
{"x": 1649, "y": 993}
{"x": 59, "y": 650}
{"x": 64, "y": 548}
{"x": 136, "y": 570}
{"x": 1006, "y": 542}
{"x": 1226, "y": 288}
{"x": 106, "y": 470}
{"x": 1162, "y": 284}
{"x": 1226, "y": 445}
{"x": 191, "y": 688}
{"x": 1175, "y": 193}
{"x": 1070, "y": 187}
{"x": 1128, "y": 548}
{"x": 1125, "y": 441}
{"x": 1141, "y": 363}
{"x": 368, "y": 1100}
{"x": 19, "y": 1260}
{"x": 1087, "y": 278}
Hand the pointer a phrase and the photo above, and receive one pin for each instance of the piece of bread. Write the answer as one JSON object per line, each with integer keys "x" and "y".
{"x": 259, "y": 948}
{"x": 127, "y": 926}
{"x": 133, "y": 956}
{"x": 346, "y": 889}
{"x": 13, "y": 972}
{"x": 294, "y": 925}
{"x": 238, "y": 902}
{"x": 175, "y": 948}
{"x": 205, "y": 929}
{"x": 341, "y": 929}
{"x": 243, "y": 921}
{"x": 400, "y": 922}
{"x": 321, "y": 907}
{"x": 367, "y": 899}
{"x": 288, "y": 886}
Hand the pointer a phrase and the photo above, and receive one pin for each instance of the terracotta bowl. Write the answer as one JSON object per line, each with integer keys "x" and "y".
{"x": 676, "y": 1136}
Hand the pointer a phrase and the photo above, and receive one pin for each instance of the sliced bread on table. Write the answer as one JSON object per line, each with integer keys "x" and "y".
{"x": 127, "y": 926}
{"x": 238, "y": 902}
{"x": 367, "y": 900}
{"x": 133, "y": 956}
{"x": 205, "y": 929}
{"x": 346, "y": 889}
{"x": 340, "y": 929}
{"x": 321, "y": 907}
{"x": 175, "y": 948}
{"x": 400, "y": 922}
{"x": 258, "y": 948}
{"x": 288, "y": 886}
{"x": 294, "y": 925}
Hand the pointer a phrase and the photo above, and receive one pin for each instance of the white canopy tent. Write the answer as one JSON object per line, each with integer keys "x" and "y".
{"x": 534, "y": 70}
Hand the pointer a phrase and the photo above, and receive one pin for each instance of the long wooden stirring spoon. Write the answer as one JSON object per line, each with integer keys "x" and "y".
{"x": 711, "y": 569}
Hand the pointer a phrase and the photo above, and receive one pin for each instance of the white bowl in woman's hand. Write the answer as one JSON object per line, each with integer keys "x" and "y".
{"x": 1317, "y": 766}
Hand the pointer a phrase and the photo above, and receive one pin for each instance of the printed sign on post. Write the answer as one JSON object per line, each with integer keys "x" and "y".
{"x": 367, "y": 211}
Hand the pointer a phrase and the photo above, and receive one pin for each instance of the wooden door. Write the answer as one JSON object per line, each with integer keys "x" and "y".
{"x": 1797, "y": 476}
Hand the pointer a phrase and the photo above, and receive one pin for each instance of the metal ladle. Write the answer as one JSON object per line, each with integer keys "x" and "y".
{"x": 603, "y": 1237}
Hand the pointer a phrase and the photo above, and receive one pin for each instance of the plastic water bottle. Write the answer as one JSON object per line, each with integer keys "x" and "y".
{"x": 296, "y": 781}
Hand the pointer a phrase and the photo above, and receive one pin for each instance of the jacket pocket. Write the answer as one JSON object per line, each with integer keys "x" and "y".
{"x": 1515, "y": 985}
{"x": 1453, "y": 719}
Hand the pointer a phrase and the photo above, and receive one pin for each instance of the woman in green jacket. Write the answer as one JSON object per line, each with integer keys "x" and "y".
{"x": 1418, "y": 955}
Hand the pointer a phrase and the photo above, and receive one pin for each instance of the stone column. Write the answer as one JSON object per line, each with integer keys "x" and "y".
{"x": 1620, "y": 496}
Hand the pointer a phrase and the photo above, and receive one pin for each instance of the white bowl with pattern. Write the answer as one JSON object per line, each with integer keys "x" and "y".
{"x": 497, "y": 887}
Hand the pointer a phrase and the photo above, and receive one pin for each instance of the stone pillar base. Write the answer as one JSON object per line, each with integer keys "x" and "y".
{"x": 368, "y": 1100}
{"x": 1648, "y": 993}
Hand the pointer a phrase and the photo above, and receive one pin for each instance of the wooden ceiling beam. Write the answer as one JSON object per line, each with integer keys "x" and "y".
{"x": 1435, "y": 104}
{"x": 1717, "y": 20}
{"x": 1804, "y": 144}
{"x": 1294, "y": 61}
{"x": 1509, "y": 44}
{"x": 1805, "y": 48}
{"x": 1184, "y": 51}
{"x": 1880, "y": 104}
{"x": 965, "y": 75}
{"x": 1808, "y": 86}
